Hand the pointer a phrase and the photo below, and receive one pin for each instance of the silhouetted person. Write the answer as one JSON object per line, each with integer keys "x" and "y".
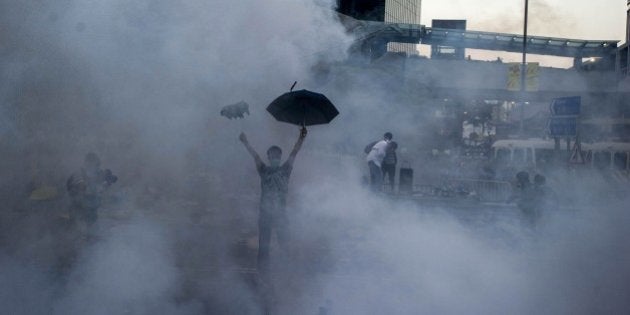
{"x": 376, "y": 152}
{"x": 525, "y": 197}
{"x": 390, "y": 160}
{"x": 86, "y": 188}
{"x": 543, "y": 197}
{"x": 274, "y": 185}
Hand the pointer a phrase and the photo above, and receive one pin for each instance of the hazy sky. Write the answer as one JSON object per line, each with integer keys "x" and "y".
{"x": 580, "y": 19}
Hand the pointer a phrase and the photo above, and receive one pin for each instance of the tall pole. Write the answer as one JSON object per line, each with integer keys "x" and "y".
{"x": 628, "y": 36}
{"x": 524, "y": 67}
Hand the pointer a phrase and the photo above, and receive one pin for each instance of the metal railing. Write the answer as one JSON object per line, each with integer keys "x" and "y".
{"x": 481, "y": 190}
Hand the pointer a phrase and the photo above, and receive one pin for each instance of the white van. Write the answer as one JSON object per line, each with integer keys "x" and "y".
{"x": 526, "y": 152}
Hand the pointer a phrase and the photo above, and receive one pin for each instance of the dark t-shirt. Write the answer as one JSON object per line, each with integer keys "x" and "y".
{"x": 274, "y": 185}
{"x": 390, "y": 154}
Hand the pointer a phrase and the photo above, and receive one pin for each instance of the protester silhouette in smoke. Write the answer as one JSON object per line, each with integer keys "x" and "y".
{"x": 389, "y": 161}
{"x": 86, "y": 188}
{"x": 527, "y": 198}
{"x": 376, "y": 153}
{"x": 274, "y": 184}
{"x": 544, "y": 198}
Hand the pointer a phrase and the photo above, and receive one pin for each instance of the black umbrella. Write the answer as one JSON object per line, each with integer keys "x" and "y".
{"x": 303, "y": 108}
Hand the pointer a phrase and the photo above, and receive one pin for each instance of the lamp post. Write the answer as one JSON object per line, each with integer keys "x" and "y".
{"x": 524, "y": 68}
{"x": 627, "y": 35}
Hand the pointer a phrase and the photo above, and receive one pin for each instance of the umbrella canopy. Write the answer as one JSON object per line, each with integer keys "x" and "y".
{"x": 303, "y": 108}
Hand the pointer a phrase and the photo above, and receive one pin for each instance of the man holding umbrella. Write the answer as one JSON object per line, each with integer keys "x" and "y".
{"x": 274, "y": 184}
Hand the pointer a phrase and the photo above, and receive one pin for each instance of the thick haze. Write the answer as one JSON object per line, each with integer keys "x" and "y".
{"x": 142, "y": 83}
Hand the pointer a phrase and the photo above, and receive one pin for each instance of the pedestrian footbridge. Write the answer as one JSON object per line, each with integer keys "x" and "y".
{"x": 372, "y": 33}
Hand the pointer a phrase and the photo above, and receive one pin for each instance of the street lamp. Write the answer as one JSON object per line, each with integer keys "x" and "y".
{"x": 524, "y": 67}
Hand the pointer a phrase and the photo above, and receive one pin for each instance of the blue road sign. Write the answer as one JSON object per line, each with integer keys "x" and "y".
{"x": 566, "y": 105}
{"x": 563, "y": 126}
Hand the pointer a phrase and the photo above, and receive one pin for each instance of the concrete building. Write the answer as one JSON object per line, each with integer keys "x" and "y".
{"x": 403, "y": 11}
{"x": 448, "y": 52}
{"x": 390, "y": 11}
{"x": 365, "y": 10}
{"x": 623, "y": 59}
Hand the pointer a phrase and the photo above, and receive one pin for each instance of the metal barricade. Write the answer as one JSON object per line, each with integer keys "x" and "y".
{"x": 484, "y": 190}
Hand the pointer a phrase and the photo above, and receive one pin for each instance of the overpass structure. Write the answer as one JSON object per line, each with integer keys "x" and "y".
{"x": 550, "y": 46}
{"x": 374, "y": 34}
{"x": 445, "y": 78}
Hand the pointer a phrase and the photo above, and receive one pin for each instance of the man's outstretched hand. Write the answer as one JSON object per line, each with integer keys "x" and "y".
{"x": 303, "y": 133}
{"x": 242, "y": 137}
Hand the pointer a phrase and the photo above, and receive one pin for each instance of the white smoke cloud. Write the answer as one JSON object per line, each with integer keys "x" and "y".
{"x": 132, "y": 270}
{"x": 142, "y": 83}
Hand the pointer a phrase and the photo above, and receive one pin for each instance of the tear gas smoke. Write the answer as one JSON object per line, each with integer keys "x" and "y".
{"x": 142, "y": 83}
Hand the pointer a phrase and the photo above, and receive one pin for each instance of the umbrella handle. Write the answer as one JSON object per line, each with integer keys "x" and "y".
{"x": 303, "y": 113}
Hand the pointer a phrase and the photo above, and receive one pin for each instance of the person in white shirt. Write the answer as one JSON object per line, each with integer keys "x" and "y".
{"x": 376, "y": 152}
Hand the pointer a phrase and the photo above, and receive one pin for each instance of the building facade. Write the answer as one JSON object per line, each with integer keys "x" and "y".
{"x": 367, "y": 10}
{"x": 393, "y": 11}
{"x": 448, "y": 52}
{"x": 403, "y": 11}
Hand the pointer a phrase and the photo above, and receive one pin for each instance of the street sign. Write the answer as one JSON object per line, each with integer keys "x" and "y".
{"x": 564, "y": 114}
{"x": 563, "y": 126}
{"x": 566, "y": 106}
{"x": 531, "y": 76}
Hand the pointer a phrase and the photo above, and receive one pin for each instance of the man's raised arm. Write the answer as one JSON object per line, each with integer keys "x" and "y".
{"x": 297, "y": 146}
{"x": 259, "y": 162}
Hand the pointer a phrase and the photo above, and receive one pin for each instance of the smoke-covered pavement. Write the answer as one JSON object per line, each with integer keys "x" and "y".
{"x": 142, "y": 84}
